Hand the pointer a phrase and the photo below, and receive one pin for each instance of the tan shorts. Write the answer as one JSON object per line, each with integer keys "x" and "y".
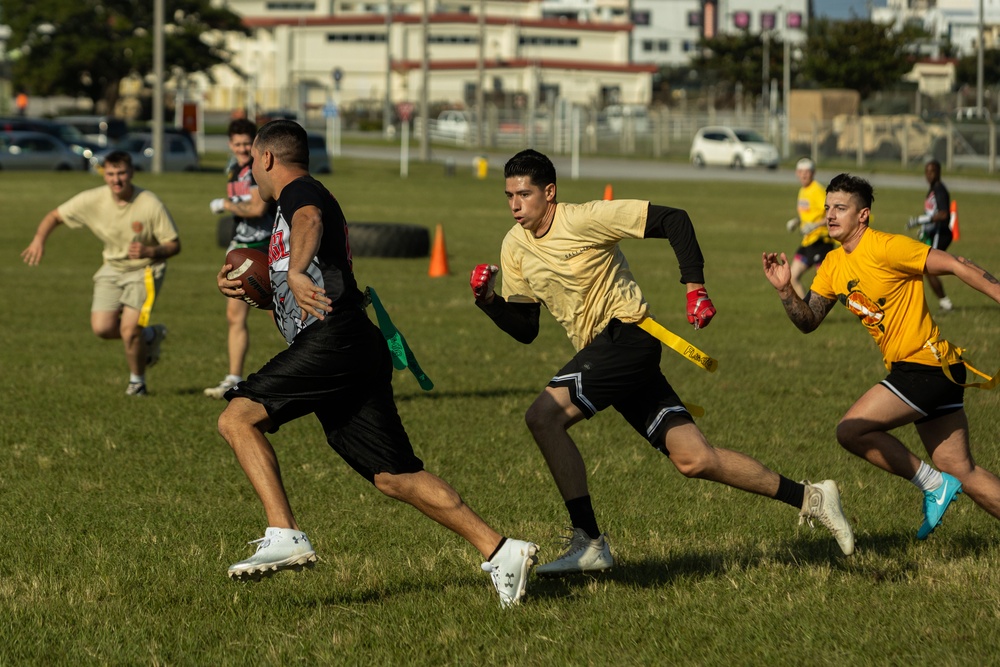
{"x": 114, "y": 288}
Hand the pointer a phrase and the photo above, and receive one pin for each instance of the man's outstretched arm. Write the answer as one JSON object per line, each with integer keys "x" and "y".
{"x": 940, "y": 263}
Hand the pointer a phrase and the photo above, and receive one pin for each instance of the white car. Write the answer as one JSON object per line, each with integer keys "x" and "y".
{"x": 732, "y": 147}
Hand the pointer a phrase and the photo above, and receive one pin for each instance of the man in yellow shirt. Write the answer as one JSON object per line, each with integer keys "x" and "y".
{"x": 810, "y": 222}
{"x": 880, "y": 278}
{"x": 567, "y": 258}
{"x": 138, "y": 235}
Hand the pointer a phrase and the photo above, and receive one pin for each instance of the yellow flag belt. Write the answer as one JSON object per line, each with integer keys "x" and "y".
{"x": 685, "y": 349}
{"x": 679, "y": 345}
{"x": 955, "y": 355}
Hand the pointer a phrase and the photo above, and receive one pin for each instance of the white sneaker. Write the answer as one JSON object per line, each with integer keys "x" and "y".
{"x": 509, "y": 570}
{"x": 822, "y": 501}
{"x": 153, "y": 347}
{"x": 279, "y": 549}
{"x": 946, "y": 305}
{"x": 581, "y": 555}
{"x": 220, "y": 390}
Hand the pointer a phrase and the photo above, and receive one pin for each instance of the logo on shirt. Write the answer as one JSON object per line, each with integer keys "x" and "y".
{"x": 868, "y": 311}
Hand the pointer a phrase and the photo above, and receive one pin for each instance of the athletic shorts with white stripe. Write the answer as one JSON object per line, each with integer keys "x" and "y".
{"x": 621, "y": 369}
{"x": 926, "y": 389}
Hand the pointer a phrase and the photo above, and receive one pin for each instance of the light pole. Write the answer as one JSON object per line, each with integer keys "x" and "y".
{"x": 979, "y": 66}
{"x": 157, "y": 166}
{"x": 387, "y": 104}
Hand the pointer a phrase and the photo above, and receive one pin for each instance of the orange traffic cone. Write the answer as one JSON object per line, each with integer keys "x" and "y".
{"x": 608, "y": 193}
{"x": 439, "y": 255}
{"x": 953, "y": 222}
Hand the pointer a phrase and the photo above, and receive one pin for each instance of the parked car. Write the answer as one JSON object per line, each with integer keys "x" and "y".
{"x": 319, "y": 157}
{"x": 102, "y": 130}
{"x": 69, "y": 135}
{"x": 732, "y": 147}
{"x": 179, "y": 152}
{"x": 451, "y": 124}
{"x": 37, "y": 150}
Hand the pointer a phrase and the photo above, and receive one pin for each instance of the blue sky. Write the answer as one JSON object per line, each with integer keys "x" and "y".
{"x": 841, "y": 9}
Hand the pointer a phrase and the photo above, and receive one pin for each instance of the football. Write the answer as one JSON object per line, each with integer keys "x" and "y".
{"x": 250, "y": 268}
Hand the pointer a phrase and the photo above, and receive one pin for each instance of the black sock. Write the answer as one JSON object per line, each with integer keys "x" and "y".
{"x": 581, "y": 515}
{"x": 499, "y": 544}
{"x": 790, "y": 492}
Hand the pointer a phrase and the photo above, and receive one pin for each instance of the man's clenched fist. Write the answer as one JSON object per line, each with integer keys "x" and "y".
{"x": 481, "y": 281}
{"x": 700, "y": 310}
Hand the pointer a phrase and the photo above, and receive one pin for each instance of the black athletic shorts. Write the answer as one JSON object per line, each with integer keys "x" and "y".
{"x": 340, "y": 370}
{"x": 814, "y": 253}
{"x": 621, "y": 369}
{"x": 927, "y": 389}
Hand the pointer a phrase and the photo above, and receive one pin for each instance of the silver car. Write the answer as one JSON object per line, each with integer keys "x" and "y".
{"x": 178, "y": 155}
{"x": 732, "y": 147}
{"x": 37, "y": 150}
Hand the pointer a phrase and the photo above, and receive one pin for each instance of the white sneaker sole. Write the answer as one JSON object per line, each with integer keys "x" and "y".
{"x": 257, "y": 572}
{"x": 563, "y": 572}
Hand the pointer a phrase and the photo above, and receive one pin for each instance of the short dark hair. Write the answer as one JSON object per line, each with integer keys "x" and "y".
{"x": 855, "y": 186}
{"x": 242, "y": 126}
{"x": 287, "y": 141}
{"x": 119, "y": 158}
{"x": 532, "y": 164}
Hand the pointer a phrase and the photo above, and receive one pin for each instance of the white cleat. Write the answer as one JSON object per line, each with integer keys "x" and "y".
{"x": 279, "y": 549}
{"x": 581, "y": 555}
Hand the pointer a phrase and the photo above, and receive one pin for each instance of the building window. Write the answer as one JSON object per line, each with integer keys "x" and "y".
{"x": 663, "y": 46}
{"x": 453, "y": 39}
{"x": 549, "y": 41}
{"x": 793, "y": 20}
{"x": 694, "y": 19}
{"x": 690, "y": 46}
{"x": 741, "y": 20}
{"x": 647, "y": 45}
{"x": 291, "y": 5}
{"x": 354, "y": 37}
{"x": 767, "y": 21}
{"x": 640, "y": 18}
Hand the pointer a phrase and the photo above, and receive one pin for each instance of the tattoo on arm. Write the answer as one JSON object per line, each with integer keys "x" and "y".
{"x": 809, "y": 313}
{"x": 986, "y": 274}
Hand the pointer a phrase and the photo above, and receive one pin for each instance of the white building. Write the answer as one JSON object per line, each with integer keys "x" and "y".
{"x": 956, "y": 21}
{"x": 305, "y": 53}
{"x": 667, "y": 32}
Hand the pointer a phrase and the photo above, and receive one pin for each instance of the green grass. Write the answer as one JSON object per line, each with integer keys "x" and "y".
{"x": 121, "y": 515}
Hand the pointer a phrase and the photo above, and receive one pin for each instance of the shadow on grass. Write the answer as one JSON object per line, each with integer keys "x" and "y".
{"x": 486, "y": 393}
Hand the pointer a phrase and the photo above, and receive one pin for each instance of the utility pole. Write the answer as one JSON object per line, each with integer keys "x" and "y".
{"x": 425, "y": 136}
{"x": 157, "y": 166}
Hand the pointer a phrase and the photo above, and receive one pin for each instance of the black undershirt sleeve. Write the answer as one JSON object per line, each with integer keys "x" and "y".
{"x": 519, "y": 320}
{"x": 674, "y": 224}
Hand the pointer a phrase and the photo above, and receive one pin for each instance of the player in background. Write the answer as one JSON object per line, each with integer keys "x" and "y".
{"x": 566, "y": 256}
{"x": 139, "y": 236}
{"x": 254, "y": 218}
{"x": 810, "y": 222}
{"x": 935, "y": 225}
{"x": 879, "y": 277}
{"x": 338, "y": 367}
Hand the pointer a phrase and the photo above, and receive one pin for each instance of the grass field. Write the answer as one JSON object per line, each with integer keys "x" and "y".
{"x": 121, "y": 515}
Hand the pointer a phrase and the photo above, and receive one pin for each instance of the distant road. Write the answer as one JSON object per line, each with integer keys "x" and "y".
{"x": 610, "y": 169}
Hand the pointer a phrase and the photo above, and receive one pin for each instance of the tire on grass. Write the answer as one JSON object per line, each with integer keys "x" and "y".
{"x": 388, "y": 239}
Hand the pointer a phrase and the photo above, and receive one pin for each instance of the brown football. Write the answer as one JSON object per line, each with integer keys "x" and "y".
{"x": 250, "y": 268}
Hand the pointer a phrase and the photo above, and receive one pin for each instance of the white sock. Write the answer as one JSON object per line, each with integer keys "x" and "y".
{"x": 945, "y": 303}
{"x": 927, "y": 478}
{"x": 132, "y": 377}
{"x": 234, "y": 378}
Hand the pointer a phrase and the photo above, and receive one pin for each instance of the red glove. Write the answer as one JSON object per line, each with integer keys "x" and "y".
{"x": 700, "y": 309}
{"x": 481, "y": 280}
